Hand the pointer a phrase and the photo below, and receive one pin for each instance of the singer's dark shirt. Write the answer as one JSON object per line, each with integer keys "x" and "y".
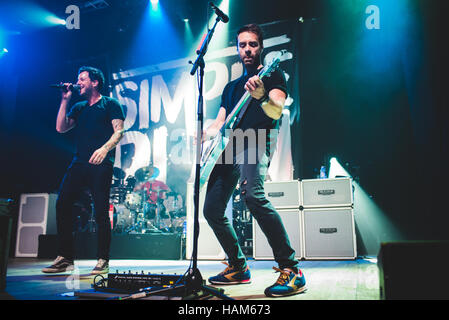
{"x": 94, "y": 128}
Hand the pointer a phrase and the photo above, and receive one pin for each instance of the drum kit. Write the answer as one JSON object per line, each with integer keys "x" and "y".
{"x": 142, "y": 204}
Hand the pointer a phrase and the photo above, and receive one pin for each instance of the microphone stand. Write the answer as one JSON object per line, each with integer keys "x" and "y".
{"x": 193, "y": 285}
{"x": 194, "y": 279}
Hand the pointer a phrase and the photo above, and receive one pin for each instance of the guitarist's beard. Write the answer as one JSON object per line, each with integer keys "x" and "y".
{"x": 252, "y": 69}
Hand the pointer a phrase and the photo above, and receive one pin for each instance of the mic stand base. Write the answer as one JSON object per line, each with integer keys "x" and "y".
{"x": 193, "y": 288}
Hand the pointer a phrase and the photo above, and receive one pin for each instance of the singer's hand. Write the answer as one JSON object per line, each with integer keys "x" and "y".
{"x": 65, "y": 93}
{"x": 98, "y": 156}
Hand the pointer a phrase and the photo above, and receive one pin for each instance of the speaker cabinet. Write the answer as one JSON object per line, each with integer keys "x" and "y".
{"x": 164, "y": 246}
{"x": 283, "y": 195}
{"x": 329, "y": 233}
{"x": 335, "y": 192}
{"x": 36, "y": 216}
{"x": 5, "y": 238}
{"x": 414, "y": 270}
{"x": 292, "y": 223}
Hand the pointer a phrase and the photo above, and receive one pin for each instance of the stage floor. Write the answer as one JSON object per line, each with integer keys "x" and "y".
{"x": 326, "y": 280}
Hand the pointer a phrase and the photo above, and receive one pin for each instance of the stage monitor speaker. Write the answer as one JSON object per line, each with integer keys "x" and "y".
{"x": 292, "y": 223}
{"x": 329, "y": 233}
{"x": 414, "y": 270}
{"x": 208, "y": 246}
{"x": 316, "y": 193}
{"x": 147, "y": 246}
{"x": 36, "y": 216}
{"x": 283, "y": 195}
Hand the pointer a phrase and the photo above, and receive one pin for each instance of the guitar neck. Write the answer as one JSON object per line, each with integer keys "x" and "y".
{"x": 230, "y": 120}
{"x": 244, "y": 100}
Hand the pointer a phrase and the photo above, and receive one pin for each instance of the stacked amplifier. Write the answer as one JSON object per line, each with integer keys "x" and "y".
{"x": 37, "y": 215}
{"x": 318, "y": 217}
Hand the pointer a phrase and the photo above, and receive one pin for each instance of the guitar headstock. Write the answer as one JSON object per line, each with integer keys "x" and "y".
{"x": 272, "y": 65}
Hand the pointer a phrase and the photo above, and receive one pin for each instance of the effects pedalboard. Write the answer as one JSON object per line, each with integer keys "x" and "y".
{"x": 133, "y": 282}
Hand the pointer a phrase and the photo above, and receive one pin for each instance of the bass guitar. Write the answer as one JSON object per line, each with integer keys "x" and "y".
{"x": 213, "y": 148}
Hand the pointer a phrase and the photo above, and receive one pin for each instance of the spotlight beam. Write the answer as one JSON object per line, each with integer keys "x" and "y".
{"x": 373, "y": 224}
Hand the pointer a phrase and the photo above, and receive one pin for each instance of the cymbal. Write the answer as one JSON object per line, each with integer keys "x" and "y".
{"x": 146, "y": 173}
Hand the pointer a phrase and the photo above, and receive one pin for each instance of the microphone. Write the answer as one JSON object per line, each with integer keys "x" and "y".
{"x": 70, "y": 87}
{"x": 223, "y": 17}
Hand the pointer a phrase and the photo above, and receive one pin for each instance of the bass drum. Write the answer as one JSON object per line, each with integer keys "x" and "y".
{"x": 133, "y": 201}
{"x": 173, "y": 202}
{"x": 124, "y": 218}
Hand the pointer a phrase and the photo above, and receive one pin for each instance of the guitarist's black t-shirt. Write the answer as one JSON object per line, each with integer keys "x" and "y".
{"x": 93, "y": 127}
{"x": 254, "y": 117}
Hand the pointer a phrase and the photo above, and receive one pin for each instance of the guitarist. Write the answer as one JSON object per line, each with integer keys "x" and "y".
{"x": 262, "y": 116}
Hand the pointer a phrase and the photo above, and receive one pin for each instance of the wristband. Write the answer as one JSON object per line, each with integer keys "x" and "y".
{"x": 265, "y": 98}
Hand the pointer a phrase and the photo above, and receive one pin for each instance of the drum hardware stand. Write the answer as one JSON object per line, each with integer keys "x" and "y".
{"x": 193, "y": 286}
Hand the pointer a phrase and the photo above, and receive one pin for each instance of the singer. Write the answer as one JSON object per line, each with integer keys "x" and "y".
{"x": 98, "y": 125}
{"x": 263, "y": 113}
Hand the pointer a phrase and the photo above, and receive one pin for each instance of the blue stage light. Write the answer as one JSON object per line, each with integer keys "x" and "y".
{"x": 55, "y": 20}
{"x": 154, "y": 4}
{"x": 3, "y": 52}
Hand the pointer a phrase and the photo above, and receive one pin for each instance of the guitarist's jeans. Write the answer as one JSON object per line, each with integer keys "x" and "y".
{"x": 221, "y": 185}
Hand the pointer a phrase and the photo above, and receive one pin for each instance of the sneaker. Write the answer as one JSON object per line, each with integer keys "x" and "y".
{"x": 288, "y": 283}
{"x": 101, "y": 267}
{"x": 232, "y": 276}
{"x": 60, "y": 264}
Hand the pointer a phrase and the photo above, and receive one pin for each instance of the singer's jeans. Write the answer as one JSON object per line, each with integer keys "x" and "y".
{"x": 98, "y": 179}
{"x": 221, "y": 185}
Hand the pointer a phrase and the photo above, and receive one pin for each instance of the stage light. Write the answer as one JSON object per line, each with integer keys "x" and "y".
{"x": 55, "y": 20}
{"x": 5, "y": 50}
{"x": 336, "y": 169}
{"x": 186, "y": 20}
{"x": 221, "y": 36}
{"x": 34, "y": 16}
{"x": 154, "y": 4}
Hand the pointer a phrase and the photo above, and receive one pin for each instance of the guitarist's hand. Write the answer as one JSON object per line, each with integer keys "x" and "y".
{"x": 203, "y": 138}
{"x": 207, "y": 135}
{"x": 255, "y": 87}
